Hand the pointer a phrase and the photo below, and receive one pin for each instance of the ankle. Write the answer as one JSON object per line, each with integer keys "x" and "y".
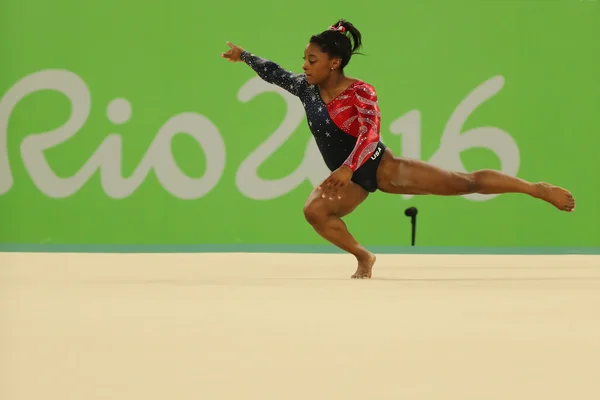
{"x": 538, "y": 190}
{"x": 364, "y": 255}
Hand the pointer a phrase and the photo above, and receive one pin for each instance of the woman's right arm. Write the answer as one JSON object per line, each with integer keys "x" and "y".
{"x": 268, "y": 70}
{"x": 273, "y": 73}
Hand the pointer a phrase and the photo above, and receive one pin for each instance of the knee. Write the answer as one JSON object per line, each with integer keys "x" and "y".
{"x": 314, "y": 212}
{"x": 469, "y": 183}
{"x": 473, "y": 181}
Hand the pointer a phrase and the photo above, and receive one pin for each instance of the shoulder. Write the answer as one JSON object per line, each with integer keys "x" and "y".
{"x": 365, "y": 88}
{"x": 364, "y": 93}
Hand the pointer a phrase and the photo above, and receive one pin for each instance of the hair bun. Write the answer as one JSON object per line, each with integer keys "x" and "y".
{"x": 342, "y": 46}
{"x": 339, "y": 27}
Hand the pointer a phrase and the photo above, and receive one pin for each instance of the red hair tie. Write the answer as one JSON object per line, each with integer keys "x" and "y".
{"x": 338, "y": 28}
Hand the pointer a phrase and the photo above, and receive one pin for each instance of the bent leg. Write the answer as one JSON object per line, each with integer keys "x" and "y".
{"x": 325, "y": 217}
{"x": 408, "y": 176}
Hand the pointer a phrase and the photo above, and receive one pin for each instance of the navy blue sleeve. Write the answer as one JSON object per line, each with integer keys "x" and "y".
{"x": 275, "y": 74}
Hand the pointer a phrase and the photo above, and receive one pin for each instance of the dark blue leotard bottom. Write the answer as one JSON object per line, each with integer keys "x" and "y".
{"x": 366, "y": 175}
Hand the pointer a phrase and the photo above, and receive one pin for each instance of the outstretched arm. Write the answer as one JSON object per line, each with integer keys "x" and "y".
{"x": 275, "y": 74}
{"x": 268, "y": 70}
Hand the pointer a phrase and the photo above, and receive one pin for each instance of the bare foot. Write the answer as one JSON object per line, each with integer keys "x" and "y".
{"x": 365, "y": 266}
{"x": 557, "y": 196}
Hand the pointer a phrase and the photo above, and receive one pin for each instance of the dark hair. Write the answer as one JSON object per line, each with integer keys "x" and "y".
{"x": 341, "y": 40}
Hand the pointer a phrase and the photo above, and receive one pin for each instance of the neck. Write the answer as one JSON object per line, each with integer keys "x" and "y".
{"x": 332, "y": 83}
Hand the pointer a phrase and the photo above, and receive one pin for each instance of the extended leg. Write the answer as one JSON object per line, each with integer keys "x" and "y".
{"x": 325, "y": 217}
{"x": 397, "y": 175}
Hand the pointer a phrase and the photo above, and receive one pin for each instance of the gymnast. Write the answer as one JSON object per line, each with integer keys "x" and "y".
{"x": 344, "y": 119}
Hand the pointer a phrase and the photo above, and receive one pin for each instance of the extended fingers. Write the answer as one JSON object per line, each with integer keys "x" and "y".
{"x": 332, "y": 190}
{"x": 325, "y": 187}
{"x": 336, "y": 193}
{"x": 227, "y": 54}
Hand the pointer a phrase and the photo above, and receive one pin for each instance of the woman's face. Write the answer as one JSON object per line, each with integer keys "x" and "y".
{"x": 317, "y": 64}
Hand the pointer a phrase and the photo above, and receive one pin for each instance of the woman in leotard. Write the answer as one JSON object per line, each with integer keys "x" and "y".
{"x": 344, "y": 118}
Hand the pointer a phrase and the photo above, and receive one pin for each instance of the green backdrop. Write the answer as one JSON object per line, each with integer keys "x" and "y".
{"x": 121, "y": 124}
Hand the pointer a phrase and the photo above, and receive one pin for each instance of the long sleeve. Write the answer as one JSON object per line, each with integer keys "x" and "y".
{"x": 275, "y": 74}
{"x": 369, "y": 118}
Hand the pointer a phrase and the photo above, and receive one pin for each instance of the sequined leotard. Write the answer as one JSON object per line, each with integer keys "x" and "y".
{"x": 346, "y": 130}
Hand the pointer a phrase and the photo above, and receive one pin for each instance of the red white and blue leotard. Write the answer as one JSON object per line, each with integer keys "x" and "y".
{"x": 346, "y": 130}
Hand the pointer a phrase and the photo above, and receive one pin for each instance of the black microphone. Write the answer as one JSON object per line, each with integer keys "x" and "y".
{"x": 412, "y": 213}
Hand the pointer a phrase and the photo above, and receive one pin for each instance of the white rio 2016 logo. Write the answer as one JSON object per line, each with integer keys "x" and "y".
{"x": 158, "y": 157}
